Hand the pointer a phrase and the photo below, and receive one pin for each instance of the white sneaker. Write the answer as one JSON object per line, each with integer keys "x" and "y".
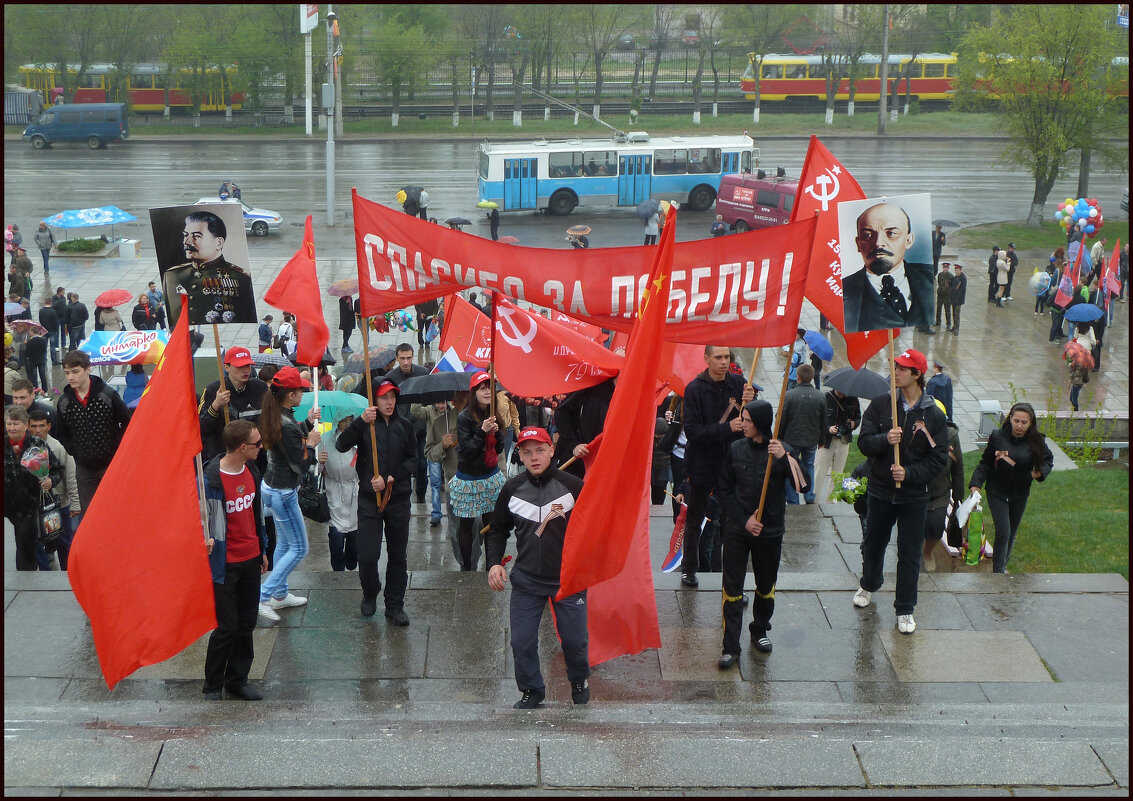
{"x": 267, "y": 613}
{"x": 287, "y": 600}
{"x": 862, "y": 598}
{"x": 906, "y": 624}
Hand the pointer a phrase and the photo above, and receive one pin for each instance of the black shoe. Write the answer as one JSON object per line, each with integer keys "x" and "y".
{"x": 420, "y": 499}
{"x": 747, "y": 601}
{"x": 215, "y": 695}
{"x": 579, "y": 692}
{"x": 930, "y": 330}
{"x": 761, "y": 642}
{"x": 689, "y": 580}
{"x": 245, "y": 691}
{"x": 434, "y": 522}
{"x": 727, "y": 661}
{"x": 397, "y": 617}
{"x": 369, "y": 606}
{"x": 530, "y": 699}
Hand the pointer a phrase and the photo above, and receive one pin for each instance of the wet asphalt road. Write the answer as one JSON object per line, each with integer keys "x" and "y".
{"x": 968, "y": 184}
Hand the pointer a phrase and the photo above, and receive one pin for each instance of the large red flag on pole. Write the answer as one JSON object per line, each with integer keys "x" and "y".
{"x": 138, "y": 564}
{"x": 467, "y": 330}
{"x": 1111, "y": 281}
{"x": 606, "y": 549}
{"x": 824, "y": 184}
{"x": 296, "y": 289}
{"x": 1069, "y": 280}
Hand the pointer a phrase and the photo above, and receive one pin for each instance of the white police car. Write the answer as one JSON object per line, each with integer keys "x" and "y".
{"x": 258, "y": 221}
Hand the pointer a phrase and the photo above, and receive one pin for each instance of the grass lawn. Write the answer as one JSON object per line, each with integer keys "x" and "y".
{"x": 1048, "y": 236}
{"x": 1077, "y": 521}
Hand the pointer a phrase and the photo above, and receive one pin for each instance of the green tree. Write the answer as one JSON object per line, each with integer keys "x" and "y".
{"x": 65, "y": 37}
{"x": 193, "y": 50}
{"x": 126, "y": 40}
{"x": 761, "y": 28}
{"x": 663, "y": 19}
{"x": 1053, "y": 90}
{"x": 601, "y": 27}
{"x": 268, "y": 49}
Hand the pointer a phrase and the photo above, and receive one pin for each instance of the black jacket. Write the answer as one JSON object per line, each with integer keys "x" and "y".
{"x": 345, "y": 314}
{"x": 845, "y": 413}
{"x": 61, "y": 306}
{"x": 524, "y": 504}
{"x": 959, "y": 290}
{"x": 741, "y": 483}
{"x": 580, "y": 418}
{"x": 49, "y": 319}
{"x": 244, "y": 405}
{"x": 141, "y": 321}
{"x": 948, "y": 484}
{"x": 397, "y": 376}
{"x": 77, "y": 315}
{"x": 470, "y": 440}
{"x": 708, "y": 438}
{"x": 921, "y": 460}
{"x": 91, "y": 433}
{"x": 803, "y": 417}
{"x": 1002, "y": 478}
{"x": 289, "y": 459}
{"x": 397, "y": 454}
{"x": 21, "y": 488}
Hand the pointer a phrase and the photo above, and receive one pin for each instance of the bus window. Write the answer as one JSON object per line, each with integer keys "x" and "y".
{"x": 484, "y": 166}
{"x": 795, "y": 71}
{"x": 601, "y": 162}
{"x": 772, "y": 71}
{"x": 670, "y": 162}
{"x": 934, "y": 70}
{"x": 564, "y": 165}
{"x": 94, "y": 116}
{"x": 745, "y": 161}
{"x": 704, "y": 159}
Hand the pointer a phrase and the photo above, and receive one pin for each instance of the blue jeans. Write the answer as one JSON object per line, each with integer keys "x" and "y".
{"x": 806, "y": 459}
{"x": 1074, "y": 392}
{"x": 436, "y": 485}
{"x": 290, "y": 539}
{"x": 53, "y": 338}
{"x": 78, "y": 334}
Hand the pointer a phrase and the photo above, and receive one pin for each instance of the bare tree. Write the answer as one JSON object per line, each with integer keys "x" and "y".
{"x": 663, "y": 16}
{"x": 761, "y": 28}
{"x": 602, "y": 26}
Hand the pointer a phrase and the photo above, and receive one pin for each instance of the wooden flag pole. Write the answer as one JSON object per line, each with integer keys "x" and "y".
{"x": 893, "y": 403}
{"x": 754, "y": 362}
{"x": 370, "y": 401}
{"x": 219, "y": 365}
{"x": 775, "y": 433}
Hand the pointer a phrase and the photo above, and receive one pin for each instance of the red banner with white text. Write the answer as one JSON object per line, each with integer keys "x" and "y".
{"x": 746, "y": 289}
{"x": 467, "y": 330}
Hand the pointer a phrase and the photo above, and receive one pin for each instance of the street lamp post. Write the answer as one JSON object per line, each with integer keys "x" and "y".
{"x": 328, "y": 106}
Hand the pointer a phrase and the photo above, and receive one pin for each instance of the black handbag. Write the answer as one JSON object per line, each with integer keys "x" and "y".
{"x": 313, "y": 499}
{"x": 49, "y": 520}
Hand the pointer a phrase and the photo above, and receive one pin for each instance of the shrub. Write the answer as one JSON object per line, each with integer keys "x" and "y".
{"x": 81, "y": 246}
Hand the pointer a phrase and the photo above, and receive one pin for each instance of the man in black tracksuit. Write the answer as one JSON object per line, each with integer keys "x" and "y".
{"x": 740, "y": 485}
{"x": 537, "y": 504}
{"x": 397, "y": 460}
{"x": 712, "y": 422}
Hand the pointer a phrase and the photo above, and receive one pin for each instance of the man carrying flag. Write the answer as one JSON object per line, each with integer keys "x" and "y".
{"x": 537, "y": 504}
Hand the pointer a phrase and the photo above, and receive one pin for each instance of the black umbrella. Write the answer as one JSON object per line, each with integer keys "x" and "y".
{"x": 647, "y": 208}
{"x": 457, "y": 221}
{"x": 326, "y": 361}
{"x": 277, "y": 359}
{"x": 379, "y": 358}
{"x": 857, "y": 383}
{"x": 434, "y": 387}
{"x": 412, "y": 193}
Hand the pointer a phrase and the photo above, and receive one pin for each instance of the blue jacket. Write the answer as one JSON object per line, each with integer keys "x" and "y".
{"x": 940, "y": 387}
{"x": 218, "y": 519}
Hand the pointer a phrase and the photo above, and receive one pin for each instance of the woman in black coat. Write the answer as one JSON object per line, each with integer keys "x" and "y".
{"x": 144, "y": 318}
{"x": 478, "y": 480}
{"x": 1016, "y": 455}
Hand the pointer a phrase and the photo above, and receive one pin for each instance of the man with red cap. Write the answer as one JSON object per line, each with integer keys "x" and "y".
{"x": 898, "y": 493}
{"x": 397, "y": 461}
{"x": 243, "y": 393}
{"x": 537, "y": 504}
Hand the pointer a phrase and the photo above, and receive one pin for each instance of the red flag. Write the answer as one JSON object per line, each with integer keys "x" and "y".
{"x": 467, "y": 330}
{"x": 680, "y": 364}
{"x": 537, "y": 358}
{"x": 824, "y": 184}
{"x": 1110, "y": 283}
{"x": 602, "y": 525}
{"x": 143, "y": 577}
{"x": 586, "y": 329}
{"x": 1069, "y": 280}
{"x": 296, "y": 289}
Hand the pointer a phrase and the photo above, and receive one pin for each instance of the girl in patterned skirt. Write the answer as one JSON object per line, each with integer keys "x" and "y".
{"x": 478, "y": 480}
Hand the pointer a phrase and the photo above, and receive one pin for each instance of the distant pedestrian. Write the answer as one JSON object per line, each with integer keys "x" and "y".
{"x": 50, "y": 320}
{"x": 264, "y": 333}
{"x": 157, "y": 303}
{"x": 346, "y": 319}
{"x": 959, "y": 295}
{"x": 144, "y": 317}
{"x": 993, "y": 274}
{"x": 1012, "y": 265}
{"x": 423, "y": 205}
{"x": 802, "y": 424}
{"x": 652, "y": 227}
{"x": 494, "y": 221}
{"x": 938, "y": 241}
{"x": 61, "y": 304}
{"x": 719, "y": 228}
{"x": 843, "y": 415}
{"x": 940, "y": 388}
{"x": 107, "y": 318}
{"x": 136, "y": 380}
{"x": 14, "y": 241}
{"x": 45, "y": 240}
{"x": 341, "y": 480}
{"x": 944, "y": 283}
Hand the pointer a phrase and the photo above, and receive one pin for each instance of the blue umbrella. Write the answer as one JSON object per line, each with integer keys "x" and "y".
{"x": 85, "y": 218}
{"x": 333, "y": 405}
{"x": 819, "y": 345}
{"x": 1083, "y": 313}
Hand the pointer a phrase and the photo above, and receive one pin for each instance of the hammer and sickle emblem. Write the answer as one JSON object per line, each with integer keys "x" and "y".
{"x": 824, "y": 196}
{"x": 519, "y": 340}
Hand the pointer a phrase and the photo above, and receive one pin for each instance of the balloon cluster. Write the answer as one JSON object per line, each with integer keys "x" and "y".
{"x": 1084, "y": 211}
{"x": 402, "y": 319}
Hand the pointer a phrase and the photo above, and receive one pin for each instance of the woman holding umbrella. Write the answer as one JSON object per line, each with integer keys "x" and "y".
{"x": 1016, "y": 455}
{"x": 478, "y": 480}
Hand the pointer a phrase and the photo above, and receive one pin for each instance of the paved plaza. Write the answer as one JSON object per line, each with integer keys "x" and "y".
{"x": 1012, "y": 684}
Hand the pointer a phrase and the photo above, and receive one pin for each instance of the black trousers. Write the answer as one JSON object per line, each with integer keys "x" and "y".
{"x": 764, "y": 553}
{"x": 697, "y": 502}
{"x": 394, "y": 521}
{"x": 88, "y": 481}
{"x": 942, "y": 304}
{"x": 24, "y": 530}
{"x": 229, "y": 656}
{"x": 421, "y": 477}
{"x": 677, "y": 466}
{"x": 909, "y": 518}
{"x": 529, "y": 597}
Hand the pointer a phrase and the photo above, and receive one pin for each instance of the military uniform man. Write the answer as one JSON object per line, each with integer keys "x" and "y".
{"x": 219, "y": 291}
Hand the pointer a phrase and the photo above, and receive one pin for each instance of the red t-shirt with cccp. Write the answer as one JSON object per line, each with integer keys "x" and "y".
{"x": 239, "y": 492}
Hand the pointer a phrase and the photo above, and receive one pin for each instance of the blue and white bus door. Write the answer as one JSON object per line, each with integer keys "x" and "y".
{"x": 731, "y": 163}
{"x": 520, "y": 185}
{"x": 634, "y": 179}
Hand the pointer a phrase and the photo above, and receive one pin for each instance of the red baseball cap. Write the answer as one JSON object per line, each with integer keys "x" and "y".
{"x": 478, "y": 379}
{"x": 385, "y": 387}
{"x": 914, "y": 359}
{"x": 289, "y": 378}
{"x": 533, "y": 434}
{"x": 238, "y": 357}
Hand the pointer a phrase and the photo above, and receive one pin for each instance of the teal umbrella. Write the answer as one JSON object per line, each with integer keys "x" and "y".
{"x": 334, "y": 405}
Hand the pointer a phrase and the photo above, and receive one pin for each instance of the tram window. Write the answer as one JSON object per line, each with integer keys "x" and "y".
{"x": 564, "y": 165}
{"x": 934, "y": 70}
{"x": 670, "y": 162}
{"x": 159, "y": 82}
{"x": 795, "y": 71}
{"x": 872, "y": 71}
{"x": 704, "y": 159}
{"x": 141, "y": 81}
{"x": 818, "y": 70}
{"x": 950, "y": 70}
{"x": 913, "y": 70}
{"x": 90, "y": 81}
{"x": 772, "y": 71}
{"x": 601, "y": 162}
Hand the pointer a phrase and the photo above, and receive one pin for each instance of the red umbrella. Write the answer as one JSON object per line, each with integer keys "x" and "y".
{"x": 344, "y": 288}
{"x": 113, "y": 297}
{"x": 1079, "y": 354}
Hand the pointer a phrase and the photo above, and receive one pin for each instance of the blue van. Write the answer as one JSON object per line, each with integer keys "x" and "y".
{"x": 93, "y": 123}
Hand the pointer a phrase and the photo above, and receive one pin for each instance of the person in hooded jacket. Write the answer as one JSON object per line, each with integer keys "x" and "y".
{"x": 711, "y": 423}
{"x": 745, "y": 537}
{"x": 898, "y": 493}
{"x": 946, "y": 488}
{"x": 1016, "y": 455}
{"x": 578, "y": 420}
